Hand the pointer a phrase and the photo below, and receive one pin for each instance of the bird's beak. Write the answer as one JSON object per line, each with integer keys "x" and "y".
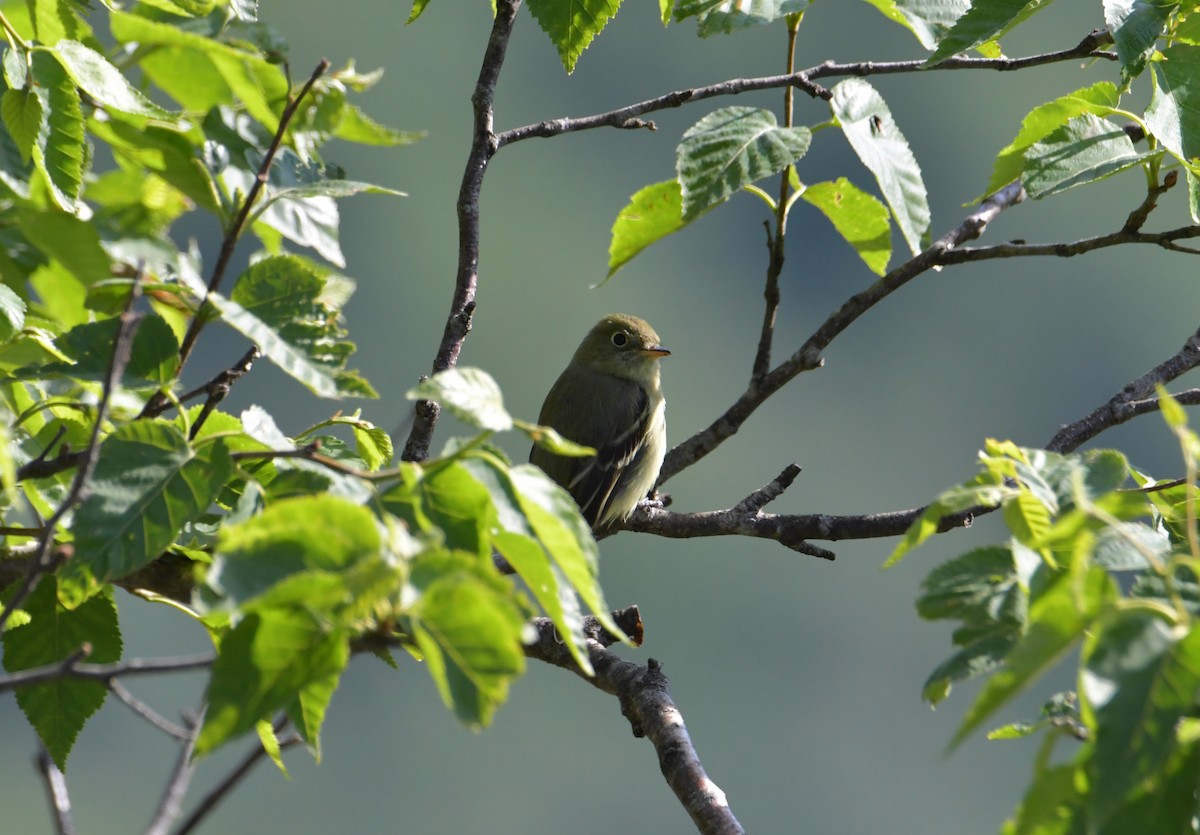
{"x": 655, "y": 352}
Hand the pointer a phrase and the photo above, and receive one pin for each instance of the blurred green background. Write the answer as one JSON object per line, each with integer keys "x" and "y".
{"x": 799, "y": 679}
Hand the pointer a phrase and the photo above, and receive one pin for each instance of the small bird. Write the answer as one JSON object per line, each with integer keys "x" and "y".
{"x": 609, "y": 398}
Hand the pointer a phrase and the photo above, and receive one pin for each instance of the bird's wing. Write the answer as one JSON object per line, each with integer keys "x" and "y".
{"x": 617, "y": 435}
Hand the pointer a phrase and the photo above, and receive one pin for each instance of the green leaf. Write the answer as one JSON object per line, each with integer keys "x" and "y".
{"x": 1135, "y": 26}
{"x": 1026, "y": 517}
{"x": 202, "y": 72}
{"x": 59, "y": 152}
{"x": 1082, "y": 151}
{"x": 929, "y": 20}
{"x": 1057, "y": 619}
{"x": 547, "y": 438}
{"x": 298, "y": 202}
{"x": 725, "y": 16}
{"x": 1050, "y": 804}
{"x": 54, "y": 20}
{"x": 450, "y": 499}
{"x": 12, "y": 313}
{"x": 1043, "y": 120}
{"x": 356, "y": 126}
{"x": 1166, "y": 802}
{"x": 470, "y": 394}
{"x": 153, "y": 360}
{"x": 373, "y": 443}
{"x": 867, "y": 122}
{"x": 731, "y": 148}
{"x": 550, "y": 588}
{"x": 270, "y": 744}
{"x": 978, "y": 587}
{"x": 290, "y": 308}
{"x": 653, "y": 213}
{"x": 978, "y": 657}
{"x": 290, "y": 537}
{"x": 104, "y": 82}
{"x": 469, "y": 630}
{"x": 72, "y": 242}
{"x": 979, "y": 491}
{"x": 166, "y": 152}
{"x": 59, "y": 710}
{"x": 553, "y": 516}
{"x": 572, "y": 24}
{"x": 149, "y": 482}
{"x": 985, "y": 21}
{"x": 417, "y": 9}
{"x": 22, "y": 114}
{"x": 264, "y": 664}
{"x": 1174, "y": 112}
{"x": 1140, "y": 677}
{"x": 858, "y": 217}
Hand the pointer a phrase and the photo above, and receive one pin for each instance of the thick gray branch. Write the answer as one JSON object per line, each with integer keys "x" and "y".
{"x": 645, "y": 697}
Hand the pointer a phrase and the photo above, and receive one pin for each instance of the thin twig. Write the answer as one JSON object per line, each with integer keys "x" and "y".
{"x": 211, "y": 800}
{"x": 310, "y": 452}
{"x": 215, "y": 389}
{"x": 234, "y": 232}
{"x": 170, "y": 805}
{"x": 776, "y": 248}
{"x": 144, "y": 710}
{"x": 47, "y": 556}
{"x": 56, "y": 792}
{"x": 804, "y": 80}
{"x": 483, "y": 148}
{"x": 72, "y": 668}
{"x": 645, "y": 698}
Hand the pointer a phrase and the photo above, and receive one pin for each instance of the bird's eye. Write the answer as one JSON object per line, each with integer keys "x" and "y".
{"x": 619, "y": 339}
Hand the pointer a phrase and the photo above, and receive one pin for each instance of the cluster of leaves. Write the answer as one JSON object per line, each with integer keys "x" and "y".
{"x": 1069, "y": 141}
{"x": 1097, "y": 566}
{"x": 293, "y": 548}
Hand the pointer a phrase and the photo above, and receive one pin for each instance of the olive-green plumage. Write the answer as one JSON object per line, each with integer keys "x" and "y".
{"x": 609, "y": 398}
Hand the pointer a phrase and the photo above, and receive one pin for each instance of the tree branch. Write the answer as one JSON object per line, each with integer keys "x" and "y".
{"x": 1130, "y": 401}
{"x": 804, "y": 80}
{"x": 213, "y": 799}
{"x": 808, "y": 356}
{"x": 71, "y": 667}
{"x": 484, "y": 145}
{"x": 170, "y": 805}
{"x": 234, "y": 233}
{"x": 645, "y": 697}
{"x": 216, "y": 390}
{"x": 56, "y": 792}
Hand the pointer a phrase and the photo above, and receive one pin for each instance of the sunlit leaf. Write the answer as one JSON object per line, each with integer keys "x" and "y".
{"x": 725, "y": 16}
{"x": 470, "y": 394}
{"x": 1174, "y": 112}
{"x": 104, "y": 83}
{"x": 1044, "y": 120}
{"x": 571, "y": 25}
{"x": 929, "y": 20}
{"x": 1084, "y": 150}
{"x": 858, "y": 217}
{"x": 867, "y": 124}
{"x": 263, "y": 665}
{"x": 731, "y": 148}
{"x": 985, "y": 21}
